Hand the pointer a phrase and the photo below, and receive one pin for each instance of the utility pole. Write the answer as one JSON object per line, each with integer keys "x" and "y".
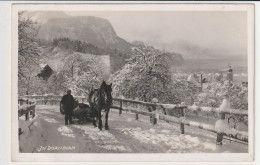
{"x": 201, "y": 85}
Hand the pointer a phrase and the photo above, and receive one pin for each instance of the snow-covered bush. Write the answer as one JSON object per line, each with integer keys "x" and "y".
{"x": 148, "y": 75}
{"x": 183, "y": 90}
{"x": 214, "y": 94}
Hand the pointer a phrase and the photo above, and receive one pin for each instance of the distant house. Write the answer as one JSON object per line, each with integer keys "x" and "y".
{"x": 198, "y": 81}
{"x": 229, "y": 73}
{"x": 45, "y": 72}
{"x": 237, "y": 78}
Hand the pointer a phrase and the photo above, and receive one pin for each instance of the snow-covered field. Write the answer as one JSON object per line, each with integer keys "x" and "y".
{"x": 126, "y": 135}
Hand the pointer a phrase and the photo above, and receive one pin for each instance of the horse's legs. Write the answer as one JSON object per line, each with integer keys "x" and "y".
{"x": 106, "y": 124}
{"x": 100, "y": 121}
{"x": 93, "y": 116}
{"x": 94, "y": 122}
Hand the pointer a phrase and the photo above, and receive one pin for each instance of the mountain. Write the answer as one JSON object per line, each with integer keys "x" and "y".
{"x": 43, "y": 16}
{"x": 87, "y": 35}
{"x": 138, "y": 43}
{"x": 94, "y": 30}
{"x": 187, "y": 49}
{"x": 193, "y": 51}
{"x": 198, "y": 58}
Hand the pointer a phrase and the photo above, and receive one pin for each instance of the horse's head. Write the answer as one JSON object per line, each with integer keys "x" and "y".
{"x": 107, "y": 90}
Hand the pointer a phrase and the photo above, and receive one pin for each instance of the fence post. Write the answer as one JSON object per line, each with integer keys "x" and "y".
{"x": 120, "y": 110}
{"x": 164, "y": 111}
{"x": 153, "y": 120}
{"x": 201, "y": 83}
{"x": 21, "y": 101}
{"x": 33, "y": 112}
{"x": 151, "y": 108}
{"x": 20, "y": 132}
{"x": 224, "y": 105}
{"x": 27, "y": 116}
{"x": 136, "y": 116}
{"x": 220, "y": 134}
{"x": 182, "y": 124}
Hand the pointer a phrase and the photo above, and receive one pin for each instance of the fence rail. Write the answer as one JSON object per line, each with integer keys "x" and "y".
{"x": 192, "y": 108}
{"x": 238, "y": 135}
{"x": 164, "y": 106}
{"x": 26, "y": 107}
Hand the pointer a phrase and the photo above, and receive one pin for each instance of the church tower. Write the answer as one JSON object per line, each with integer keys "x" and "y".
{"x": 230, "y": 74}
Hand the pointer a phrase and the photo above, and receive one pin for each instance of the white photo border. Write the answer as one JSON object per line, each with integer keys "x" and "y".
{"x": 133, "y": 6}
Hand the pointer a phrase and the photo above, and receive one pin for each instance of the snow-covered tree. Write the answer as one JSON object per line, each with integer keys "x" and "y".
{"x": 71, "y": 65}
{"x": 82, "y": 74}
{"x": 184, "y": 90}
{"x": 28, "y": 52}
{"x": 146, "y": 75}
{"x": 238, "y": 96}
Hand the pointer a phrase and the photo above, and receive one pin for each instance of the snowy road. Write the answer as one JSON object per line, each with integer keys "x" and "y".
{"x": 126, "y": 135}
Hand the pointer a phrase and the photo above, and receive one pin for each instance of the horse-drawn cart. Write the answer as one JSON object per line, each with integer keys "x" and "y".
{"x": 81, "y": 112}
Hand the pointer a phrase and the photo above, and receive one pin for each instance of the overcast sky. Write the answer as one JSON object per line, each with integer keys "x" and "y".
{"x": 222, "y": 32}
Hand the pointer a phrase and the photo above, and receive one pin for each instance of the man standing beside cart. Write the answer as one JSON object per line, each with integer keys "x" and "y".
{"x": 68, "y": 105}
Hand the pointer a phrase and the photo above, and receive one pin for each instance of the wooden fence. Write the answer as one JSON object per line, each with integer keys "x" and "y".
{"x": 26, "y": 107}
{"x": 231, "y": 133}
{"x": 51, "y": 99}
{"x": 235, "y": 135}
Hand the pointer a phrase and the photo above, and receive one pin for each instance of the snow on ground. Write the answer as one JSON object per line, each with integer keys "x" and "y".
{"x": 125, "y": 135}
{"x": 176, "y": 143}
{"x": 222, "y": 126}
{"x": 194, "y": 139}
{"x": 47, "y": 108}
{"x": 36, "y": 124}
{"x": 65, "y": 131}
{"x": 103, "y": 139}
{"x": 51, "y": 120}
{"x": 29, "y": 134}
{"x": 45, "y": 112}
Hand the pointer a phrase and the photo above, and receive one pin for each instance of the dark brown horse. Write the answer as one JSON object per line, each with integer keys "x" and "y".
{"x": 100, "y": 99}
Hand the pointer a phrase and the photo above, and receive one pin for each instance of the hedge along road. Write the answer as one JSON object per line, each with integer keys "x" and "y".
{"x": 49, "y": 134}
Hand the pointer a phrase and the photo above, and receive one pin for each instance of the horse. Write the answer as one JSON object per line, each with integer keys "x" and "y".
{"x": 100, "y": 99}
